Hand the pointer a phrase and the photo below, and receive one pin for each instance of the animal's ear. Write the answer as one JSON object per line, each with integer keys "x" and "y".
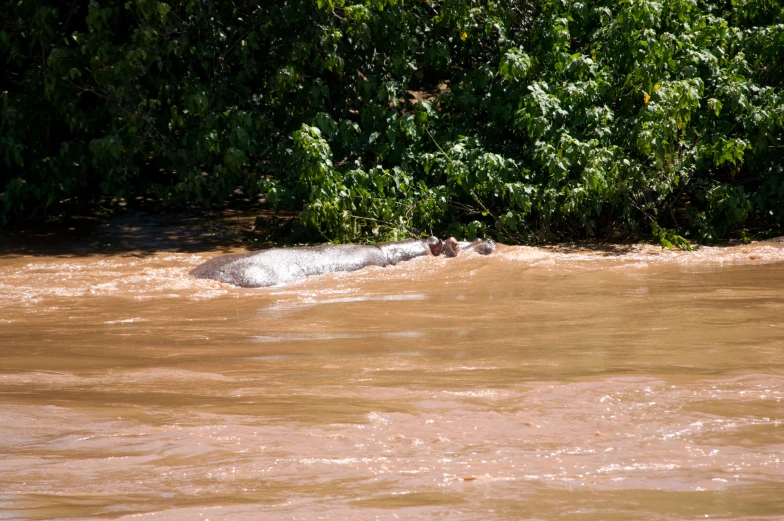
{"x": 451, "y": 247}
{"x": 486, "y": 247}
{"x": 435, "y": 245}
{"x": 481, "y": 246}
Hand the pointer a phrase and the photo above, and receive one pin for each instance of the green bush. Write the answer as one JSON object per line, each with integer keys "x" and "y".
{"x": 383, "y": 118}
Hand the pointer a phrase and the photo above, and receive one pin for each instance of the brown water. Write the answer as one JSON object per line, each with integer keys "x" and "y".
{"x": 529, "y": 384}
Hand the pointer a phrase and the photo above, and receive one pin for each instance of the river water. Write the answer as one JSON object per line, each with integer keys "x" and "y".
{"x": 528, "y": 384}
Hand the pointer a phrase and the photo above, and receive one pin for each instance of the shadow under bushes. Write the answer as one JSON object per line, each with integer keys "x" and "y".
{"x": 133, "y": 231}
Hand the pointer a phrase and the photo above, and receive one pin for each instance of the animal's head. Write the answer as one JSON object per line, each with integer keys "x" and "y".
{"x": 451, "y": 247}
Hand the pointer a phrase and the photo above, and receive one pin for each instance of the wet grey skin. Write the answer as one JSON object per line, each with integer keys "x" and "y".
{"x": 277, "y": 265}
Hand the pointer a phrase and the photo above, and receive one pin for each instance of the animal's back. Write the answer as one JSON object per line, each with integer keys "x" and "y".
{"x": 270, "y": 267}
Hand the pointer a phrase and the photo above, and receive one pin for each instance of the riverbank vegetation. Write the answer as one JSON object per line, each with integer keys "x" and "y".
{"x": 523, "y": 121}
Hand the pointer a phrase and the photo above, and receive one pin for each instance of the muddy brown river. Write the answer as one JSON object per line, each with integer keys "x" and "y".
{"x": 528, "y": 384}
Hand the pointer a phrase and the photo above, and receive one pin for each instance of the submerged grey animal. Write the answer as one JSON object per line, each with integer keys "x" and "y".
{"x": 270, "y": 267}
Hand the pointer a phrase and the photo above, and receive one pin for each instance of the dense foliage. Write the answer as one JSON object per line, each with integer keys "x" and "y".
{"x": 385, "y": 118}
